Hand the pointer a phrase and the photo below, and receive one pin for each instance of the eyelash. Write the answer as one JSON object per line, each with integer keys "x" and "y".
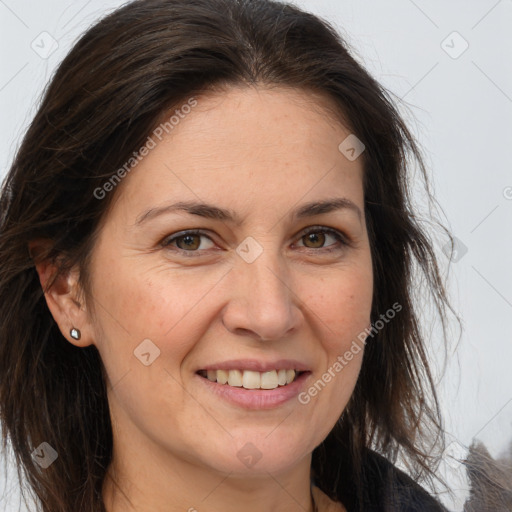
{"x": 340, "y": 238}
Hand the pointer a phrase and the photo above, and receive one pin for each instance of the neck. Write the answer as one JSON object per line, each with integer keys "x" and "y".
{"x": 168, "y": 484}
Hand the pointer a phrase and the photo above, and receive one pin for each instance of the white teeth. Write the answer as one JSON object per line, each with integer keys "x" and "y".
{"x": 269, "y": 380}
{"x": 235, "y": 378}
{"x": 222, "y": 376}
{"x": 250, "y": 379}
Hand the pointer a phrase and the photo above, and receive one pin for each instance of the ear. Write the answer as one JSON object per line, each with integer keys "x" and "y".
{"x": 63, "y": 297}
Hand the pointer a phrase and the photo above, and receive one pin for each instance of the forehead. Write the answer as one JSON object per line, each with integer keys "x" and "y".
{"x": 246, "y": 144}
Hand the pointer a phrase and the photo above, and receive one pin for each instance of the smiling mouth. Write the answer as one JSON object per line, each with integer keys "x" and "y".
{"x": 249, "y": 379}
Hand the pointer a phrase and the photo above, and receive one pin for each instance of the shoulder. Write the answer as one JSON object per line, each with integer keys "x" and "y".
{"x": 390, "y": 489}
{"x": 385, "y": 489}
{"x": 324, "y": 503}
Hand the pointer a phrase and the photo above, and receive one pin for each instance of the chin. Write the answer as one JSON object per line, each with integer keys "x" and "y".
{"x": 260, "y": 453}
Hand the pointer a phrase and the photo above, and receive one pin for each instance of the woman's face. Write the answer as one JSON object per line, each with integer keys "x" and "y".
{"x": 250, "y": 293}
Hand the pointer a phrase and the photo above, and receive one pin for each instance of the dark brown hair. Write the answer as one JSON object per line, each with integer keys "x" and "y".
{"x": 106, "y": 96}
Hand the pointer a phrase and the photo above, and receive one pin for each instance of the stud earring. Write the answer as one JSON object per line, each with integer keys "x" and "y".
{"x": 74, "y": 333}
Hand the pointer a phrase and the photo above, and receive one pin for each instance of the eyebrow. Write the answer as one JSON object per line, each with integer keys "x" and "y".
{"x": 210, "y": 211}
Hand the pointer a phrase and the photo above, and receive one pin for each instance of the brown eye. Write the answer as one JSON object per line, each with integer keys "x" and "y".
{"x": 316, "y": 237}
{"x": 187, "y": 242}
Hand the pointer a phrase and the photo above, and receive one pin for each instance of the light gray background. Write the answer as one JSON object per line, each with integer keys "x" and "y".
{"x": 459, "y": 108}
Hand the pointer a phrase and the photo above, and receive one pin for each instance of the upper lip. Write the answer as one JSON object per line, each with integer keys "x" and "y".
{"x": 257, "y": 365}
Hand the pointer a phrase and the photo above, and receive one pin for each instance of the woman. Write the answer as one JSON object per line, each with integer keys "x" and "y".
{"x": 206, "y": 295}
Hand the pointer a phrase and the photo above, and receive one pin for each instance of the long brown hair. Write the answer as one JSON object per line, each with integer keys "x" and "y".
{"x": 106, "y": 96}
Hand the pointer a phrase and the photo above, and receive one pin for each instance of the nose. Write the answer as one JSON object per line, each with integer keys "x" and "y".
{"x": 262, "y": 301}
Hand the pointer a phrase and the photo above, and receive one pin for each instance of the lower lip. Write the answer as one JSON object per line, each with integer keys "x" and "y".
{"x": 257, "y": 398}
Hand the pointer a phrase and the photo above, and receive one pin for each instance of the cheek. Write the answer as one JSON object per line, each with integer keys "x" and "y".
{"x": 342, "y": 303}
{"x": 150, "y": 303}
{"x": 172, "y": 309}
